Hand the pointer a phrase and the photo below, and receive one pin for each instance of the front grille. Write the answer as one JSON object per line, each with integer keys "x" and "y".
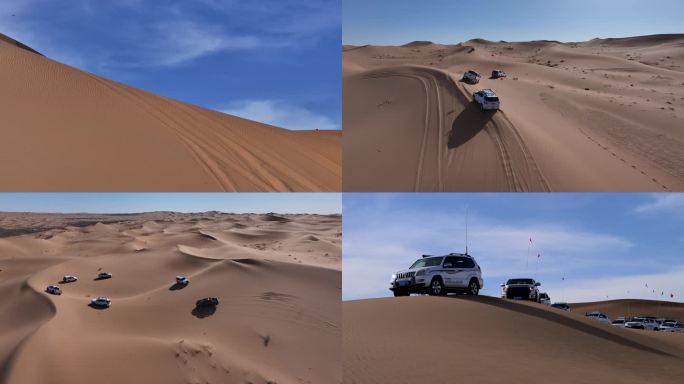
{"x": 523, "y": 292}
{"x": 405, "y": 275}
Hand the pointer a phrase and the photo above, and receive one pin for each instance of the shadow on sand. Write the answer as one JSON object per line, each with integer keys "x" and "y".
{"x": 467, "y": 124}
{"x": 202, "y": 312}
{"x": 98, "y": 307}
{"x": 177, "y": 287}
{"x": 559, "y": 318}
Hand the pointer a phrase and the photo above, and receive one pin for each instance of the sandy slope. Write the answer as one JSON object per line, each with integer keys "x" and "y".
{"x": 278, "y": 279}
{"x": 603, "y": 115}
{"x": 67, "y": 130}
{"x": 490, "y": 340}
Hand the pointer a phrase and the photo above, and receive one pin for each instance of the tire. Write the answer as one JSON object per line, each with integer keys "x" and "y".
{"x": 437, "y": 287}
{"x": 473, "y": 288}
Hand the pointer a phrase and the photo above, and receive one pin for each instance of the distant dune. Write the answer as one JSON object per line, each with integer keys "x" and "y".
{"x": 67, "y": 130}
{"x": 602, "y": 115}
{"x": 632, "y": 307}
{"x": 278, "y": 321}
{"x": 490, "y": 340}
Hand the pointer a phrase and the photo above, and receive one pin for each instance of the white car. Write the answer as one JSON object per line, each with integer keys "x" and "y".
{"x": 520, "y": 289}
{"x": 53, "y": 289}
{"x": 182, "y": 280}
{"x": 104, "y": 275}
{"x": 69, "y": 279}
{"x": 544, "y": 298}
{"x": 619, "y": 322}
{"x": 642, "y": 323}
{"x": 668, "y": 325}
{"x": 599, "y": 316}
{"x": 677, "y": 328}
{"x": 563, "y": 306}
{"x": 471, "y": 77}
{"x": 439, "y": 275}
{"x": 487, "y": 99}
{"x": 101, "y": 301}
{"x": 497, "y": 74}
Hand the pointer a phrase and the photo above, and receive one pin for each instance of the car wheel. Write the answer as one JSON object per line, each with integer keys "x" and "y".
{"x": 473, "y": 288}
{"x": 436, "y": 287}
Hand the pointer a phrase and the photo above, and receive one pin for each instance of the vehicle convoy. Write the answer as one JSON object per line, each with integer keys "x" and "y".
{"x": 642, "y": 323}
{"x": 104, "y": 275}
{"x": 53, "y": 289}
{"x": 69, "y": 279}
{"x": 182, "y": 280}
{"x": 563, "y": 306}
{"x": 497, "y": 74}
{"x": 207, "y": 302}
{"x": 544, "y": 298}
{"x": 520, "y": 289}
{"x": 439, "y": 275}
{"x": 487, "y": 99}
{"x": 471, "y": 77}
{"x": 598, "y": 316}
{"x": 102, "y": 301}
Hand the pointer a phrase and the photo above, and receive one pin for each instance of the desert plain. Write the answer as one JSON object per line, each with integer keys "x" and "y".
{"x": 278, "y": 279}
{"x": 599, "y": 115}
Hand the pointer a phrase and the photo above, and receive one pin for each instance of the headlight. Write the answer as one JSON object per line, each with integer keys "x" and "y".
{"x": 394, "y": 276}
{"x": 421, "y": 272}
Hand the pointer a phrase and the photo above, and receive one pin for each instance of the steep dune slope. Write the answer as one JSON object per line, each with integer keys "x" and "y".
{"x": 489, "y": 340}
{"x": 596, "y": 116}
{"x": 68, "y": 130}
{"x": 278, "y": 320}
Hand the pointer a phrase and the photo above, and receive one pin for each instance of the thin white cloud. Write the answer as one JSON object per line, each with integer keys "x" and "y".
{"x": 280, "y": 114}
{"x": 663, "y": 202}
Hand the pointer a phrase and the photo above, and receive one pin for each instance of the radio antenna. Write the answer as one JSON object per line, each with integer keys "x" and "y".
{"x": 466, "y": 230}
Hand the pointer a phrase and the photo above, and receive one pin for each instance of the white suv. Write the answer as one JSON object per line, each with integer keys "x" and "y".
{"x": 642, "y": 323}
{"x": 487, "y": 99}
{"x": 438, "y": 275}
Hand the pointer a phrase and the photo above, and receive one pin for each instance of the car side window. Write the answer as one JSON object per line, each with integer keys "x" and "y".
{"x": 450, "y": 260}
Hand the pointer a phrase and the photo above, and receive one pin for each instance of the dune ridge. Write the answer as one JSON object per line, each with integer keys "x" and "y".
{"x": 94, "y": 134}
{"x": 278, "y": 320}
{"x": 602, "y": 115}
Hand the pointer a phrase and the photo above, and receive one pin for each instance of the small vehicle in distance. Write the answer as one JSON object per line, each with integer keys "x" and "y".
{"x": 598, "y": 316}
{"x": 667, "y": 325}
{"x": 618, "y": 323}
{"x": 182, "y": 280}
{"x": 471, "y": 77}
{"x": 69, "y": 279}
{"x": 642, "y": 323}
{"x": 520, "y": 289}
{"x": 563, "y": 306}
{"x": 53, "y": 289}
{"x": 207, "y": 302}
{"x": 439, "y": 275}
{"x": 487, "y": 99}
{"x": 104, "y": 275}
{"x": 102, "y": 301}
{"x": 497, "y": 74}
{"x": 544, "y": 298}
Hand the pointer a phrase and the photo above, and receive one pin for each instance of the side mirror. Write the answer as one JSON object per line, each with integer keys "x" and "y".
{"x": 502, "y": 285}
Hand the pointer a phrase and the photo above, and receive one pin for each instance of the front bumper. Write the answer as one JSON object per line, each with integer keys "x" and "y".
{"x": 415, "y": 284}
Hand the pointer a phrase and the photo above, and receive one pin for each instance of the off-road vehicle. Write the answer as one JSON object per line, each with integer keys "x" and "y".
{"x": 53, "y": 289}
{"x": 471, "y": 77}
{"x": 544, "y": 298}
{"x": 438, "y": 275}
{"x": 104, "y": 275}
{"x": 69, "y": 279}
{"x": 207, "y": 302}
{"x": 520, "y": 289}
{"x": 497, "y": 74}
{"x": 102, "y": 301}
{"x": 487, "y": 99}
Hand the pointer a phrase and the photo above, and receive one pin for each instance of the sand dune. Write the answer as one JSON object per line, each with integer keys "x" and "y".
{"x": 603, "y": 115}
{"x": 278, "y": 320}
{"x": 67, "y": 130}
{"x": 490, "y": 340}
{"x": 633, "y": 307}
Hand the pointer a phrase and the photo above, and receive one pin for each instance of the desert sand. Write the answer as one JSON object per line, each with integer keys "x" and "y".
{"x": 491, "y": 340}
{"x": 633, "y": 307}
{"x": 601, "y": 115}
{"x": 64, "y": 129}
{"x": 278, "y": 279}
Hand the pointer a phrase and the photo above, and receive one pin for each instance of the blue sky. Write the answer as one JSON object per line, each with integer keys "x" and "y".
{"x": 275, "y": 61}
{"x": 395, "y": 22}
{"x": 605, "y": 245}
{"x": 323, "y": 203}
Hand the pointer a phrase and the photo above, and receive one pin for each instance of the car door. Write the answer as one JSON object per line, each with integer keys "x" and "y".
{"x": 458, "y": 271}
{"x": 449, "y": 271}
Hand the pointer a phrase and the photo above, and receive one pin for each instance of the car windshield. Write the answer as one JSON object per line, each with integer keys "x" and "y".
{"x": 520, "y": 281}
{"x": 427, "y": 262}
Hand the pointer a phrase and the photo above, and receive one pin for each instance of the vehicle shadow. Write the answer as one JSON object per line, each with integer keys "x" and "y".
{"x": 176, "y": 287}
{"x": 559, "y": 318}
{"x": 101, "y": 278}
{"x": 202, "y": 312}
{"x": 467, "y": 124}
{"x": 98, "y": 307}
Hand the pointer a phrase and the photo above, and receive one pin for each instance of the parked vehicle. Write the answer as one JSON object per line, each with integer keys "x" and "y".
{"x": 520, "y": 289}
{"x": 207, "y": 302}
{"x": 563, "y": 306}
{"x": 487, "y": 99}
{"x": 101, "y": 301}
{"x": 439, "y": 275}
{"x": 104, "y": 275}
{"x": 497, "y": 73}
{"x": 471, "y": 77}
{"x": 69, "y": 279}
{"x": 667, "y": 325}
{"x": 182, "y": 280}
{"x": 544, "y": 298}
{"x": 642, "y": 323}
{"x": 53, "y": 289}
{"x": 618, "y": 322}
{"x": 598, "y": 316}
